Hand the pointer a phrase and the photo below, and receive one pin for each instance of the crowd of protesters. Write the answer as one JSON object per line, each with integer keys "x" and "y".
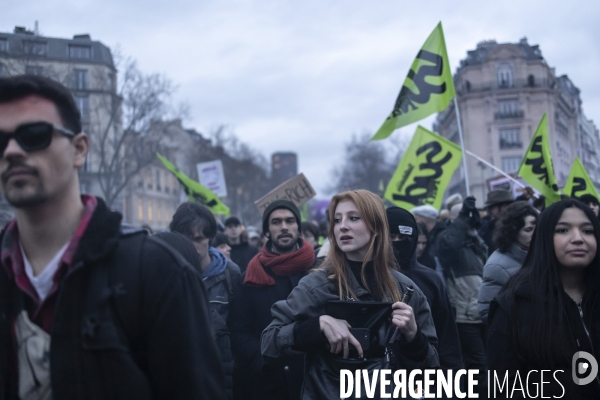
{"x": 91, "y": 308}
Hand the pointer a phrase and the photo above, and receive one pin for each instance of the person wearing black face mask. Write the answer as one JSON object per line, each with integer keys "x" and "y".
{"x": 404, "y": 235}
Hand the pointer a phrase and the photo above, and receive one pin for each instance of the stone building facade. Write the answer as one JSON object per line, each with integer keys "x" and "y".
{"x": 503, "y": 90}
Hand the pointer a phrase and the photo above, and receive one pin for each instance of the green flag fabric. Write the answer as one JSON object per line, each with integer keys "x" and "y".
{"x": 579, "y": 182}
{"x": 196, "y": 192}
{"x": 424, "y": 172}
{"x": 536, "y": 167}
{"x": 428, "y": 88}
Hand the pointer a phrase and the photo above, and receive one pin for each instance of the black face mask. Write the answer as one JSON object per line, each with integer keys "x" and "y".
{"x": 403, "y": 251}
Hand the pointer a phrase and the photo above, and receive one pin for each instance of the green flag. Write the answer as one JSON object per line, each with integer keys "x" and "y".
{"x": 424, "y": 171}
{"x": 579, "y": 182}
{"x": 536, "y": 167}
{"x": 428, "y": 88}
{"x": 196, "y": 192}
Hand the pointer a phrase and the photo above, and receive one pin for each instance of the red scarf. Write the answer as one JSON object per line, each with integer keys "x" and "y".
{"x": 280, "y": 264}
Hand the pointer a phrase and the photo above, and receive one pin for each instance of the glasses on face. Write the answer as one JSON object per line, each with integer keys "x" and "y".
{"x": 32, "y": 137}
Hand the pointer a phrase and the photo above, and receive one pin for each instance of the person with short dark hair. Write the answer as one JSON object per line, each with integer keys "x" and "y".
{"x": 310, "y": 233}
{"x": 241, "y": 251}
{"x": 89, "y": 308}
{"x": 271, "y": 276}
{"x": 219, "y": 274}
{"x": 546, "y": 315}
{"x": 512, "y": 236}
{"x": 220, "y": 243}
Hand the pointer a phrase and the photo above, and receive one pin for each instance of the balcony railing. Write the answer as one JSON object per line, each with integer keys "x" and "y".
{"x": 509, "y": 114}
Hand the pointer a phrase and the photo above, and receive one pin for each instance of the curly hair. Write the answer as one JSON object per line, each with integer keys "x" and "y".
{"x": 511, "y": 222}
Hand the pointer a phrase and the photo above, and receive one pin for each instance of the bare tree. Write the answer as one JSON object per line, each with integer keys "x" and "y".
{"x": 368, "y": 164}
{"x": 125, "y": 132}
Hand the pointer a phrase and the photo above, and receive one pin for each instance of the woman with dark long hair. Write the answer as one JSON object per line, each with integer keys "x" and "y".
{"x": 512, "y": 236}
{"x": 359, "y": 268}
{"x": 550, "y": 309}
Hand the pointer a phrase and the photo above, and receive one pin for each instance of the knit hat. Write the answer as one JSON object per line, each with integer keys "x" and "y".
{"x": 426, "y": 211}
{"x": 276, "y": 205}
{"x": 588, "y": 198}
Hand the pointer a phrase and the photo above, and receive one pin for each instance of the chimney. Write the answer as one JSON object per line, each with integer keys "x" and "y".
{"x": 83, "y": 36}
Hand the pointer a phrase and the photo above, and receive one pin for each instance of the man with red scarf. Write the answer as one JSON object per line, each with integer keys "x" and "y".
{"x": 270, "y": 277}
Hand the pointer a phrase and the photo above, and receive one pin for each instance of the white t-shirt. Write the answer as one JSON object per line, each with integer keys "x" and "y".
{"x": 43, "y": 282}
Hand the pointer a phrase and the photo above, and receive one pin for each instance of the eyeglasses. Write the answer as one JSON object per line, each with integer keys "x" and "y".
{"x": 32, "y": 137}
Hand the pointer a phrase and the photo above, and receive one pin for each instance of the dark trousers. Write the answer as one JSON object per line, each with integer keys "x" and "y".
{"x": 472, "y": 342}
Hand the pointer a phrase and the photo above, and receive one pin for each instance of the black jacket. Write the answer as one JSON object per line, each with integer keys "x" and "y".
{"x": 131, "y": 322}
{"x": 486, "y": 231}
{"x": 434, "y": 238}
{"x": 242, "y": 253}
{"x": 502, "y": 347}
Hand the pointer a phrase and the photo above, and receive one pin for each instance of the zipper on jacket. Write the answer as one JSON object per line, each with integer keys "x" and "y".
{"x": 585, "y": 327}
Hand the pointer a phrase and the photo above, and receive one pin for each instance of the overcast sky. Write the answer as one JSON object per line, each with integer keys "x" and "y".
{"x": 305, "y": 75}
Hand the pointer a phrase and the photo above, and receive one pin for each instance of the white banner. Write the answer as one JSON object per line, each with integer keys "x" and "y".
{"x": 211, "y": 175}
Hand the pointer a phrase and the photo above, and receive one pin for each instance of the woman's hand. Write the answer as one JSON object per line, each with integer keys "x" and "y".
{"x": 404, "y": 318}
{"x": 337, "y": 333}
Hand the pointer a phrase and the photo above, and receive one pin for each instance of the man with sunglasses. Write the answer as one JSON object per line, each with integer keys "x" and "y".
{"x": 88, "y": 309}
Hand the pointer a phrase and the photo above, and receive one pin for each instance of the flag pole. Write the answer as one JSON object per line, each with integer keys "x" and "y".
{"x": 462, "y": 146}
{"x": 475, "y": 156}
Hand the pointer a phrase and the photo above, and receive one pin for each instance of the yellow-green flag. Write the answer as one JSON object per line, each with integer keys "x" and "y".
{"x": 196, "y": 192}
{"x": 428, "y": 88}
{"x": 424, "y": 171}
{"x": 579, "y": 182}
{"x": 536, "y": 167}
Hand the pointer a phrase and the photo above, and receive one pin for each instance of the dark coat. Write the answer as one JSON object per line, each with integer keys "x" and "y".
{"x": 434, "y": 238}
{"x": 502, "y": 347}
{"x": 131, "y": 321}
{"x": 250, "y": 314}
{"x": 486, "y": 231}
{"x": 242, "y": 253}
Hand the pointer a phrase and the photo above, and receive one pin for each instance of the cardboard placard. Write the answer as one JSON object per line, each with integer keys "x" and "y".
{"x": 298, "y": 190}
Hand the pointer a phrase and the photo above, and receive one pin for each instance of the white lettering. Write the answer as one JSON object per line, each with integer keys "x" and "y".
{"x": 533, "y": 383}
{"x": 346, "y": 374}
{"x": 444, "y": 382}
{"x": 557, "y": 381}
{"x": 428, "y": 382}
{"x": 357, "y": 385}
{"x": 414, "y": 393}
{"x": 500, "y": 386}
{"x": 471, "y": 382}
{"x": 517, "y": 379}
{"x": 370, "y": 385}
{"x": 384, "y": 382}
{"x": 400, "y": 383}
{"x": 457, "y": 392}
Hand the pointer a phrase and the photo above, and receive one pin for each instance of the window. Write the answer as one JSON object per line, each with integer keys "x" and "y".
{"x": 159, "y": 211}
{"x": 511, "y": 164}
{"x": 35, "y": 48}
{"x": 140, "y": 210}
{"x": 3, "y": 46}
{"x": 158, "y": 180}
{"x": 81, "y": 52}
{"x": 508, "y": 107}
{"x": 150, "y": 211}
{"x": 34, "y": 70}
{"x": 510, "y": 138}
{"x": 167, "y": 182}
{"x": 505, "y": 75}
{"x": 81, "y": 79}
{"x": 149, "y": 179}
{"x": 83, "y": 103}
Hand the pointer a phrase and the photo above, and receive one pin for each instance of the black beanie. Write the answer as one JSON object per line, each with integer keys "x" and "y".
{"x": 403, "y": 222}
{"x": 277, "y": 204}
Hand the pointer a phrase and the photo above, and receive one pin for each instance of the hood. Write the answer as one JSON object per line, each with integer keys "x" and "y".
{"x": 218, "y": 263}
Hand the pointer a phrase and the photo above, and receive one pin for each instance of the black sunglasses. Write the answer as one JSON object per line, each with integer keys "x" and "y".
{"x": 32, "y": 137}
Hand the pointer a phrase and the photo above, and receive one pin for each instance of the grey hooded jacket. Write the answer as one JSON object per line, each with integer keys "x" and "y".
{"x": 309, "y": 299}
{"x": 497, "y": 270}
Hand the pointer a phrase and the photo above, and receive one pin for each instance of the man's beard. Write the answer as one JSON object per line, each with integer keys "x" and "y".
{"x": 280, "y": 247}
